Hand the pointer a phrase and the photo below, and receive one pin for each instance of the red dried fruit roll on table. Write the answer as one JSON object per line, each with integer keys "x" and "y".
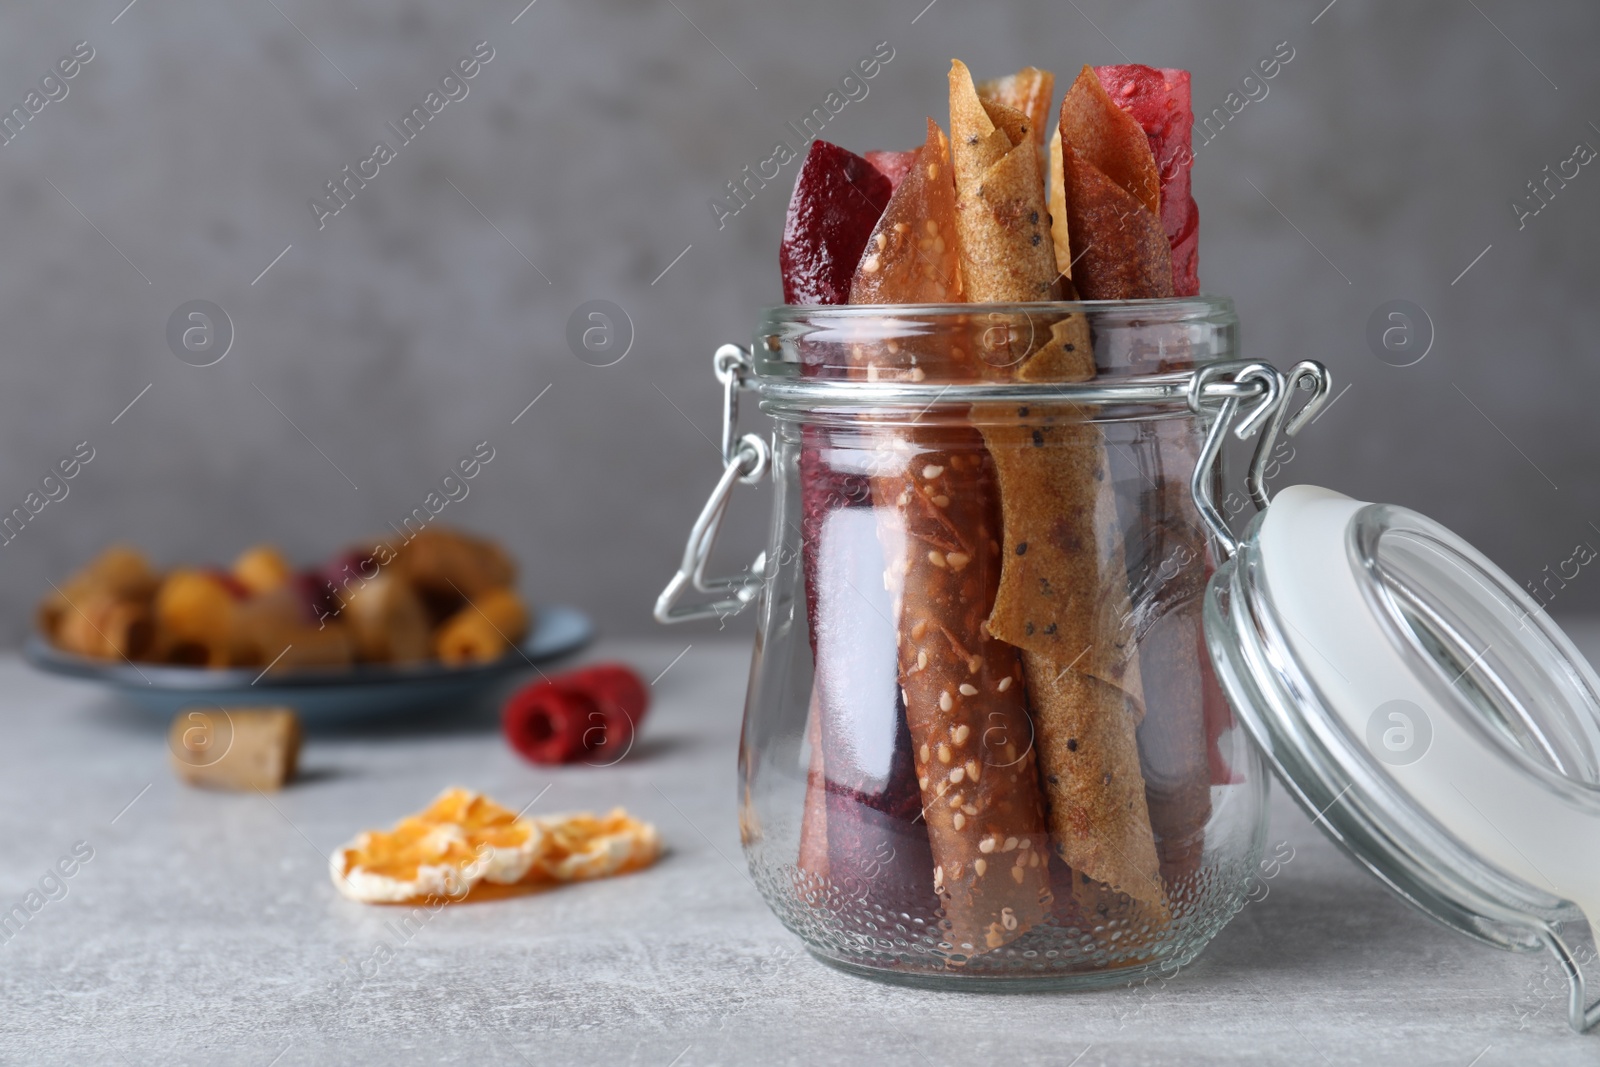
{"x": 590, "y": 714}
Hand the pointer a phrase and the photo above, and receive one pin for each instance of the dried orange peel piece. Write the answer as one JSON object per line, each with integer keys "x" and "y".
{"x": 464, "y": 838}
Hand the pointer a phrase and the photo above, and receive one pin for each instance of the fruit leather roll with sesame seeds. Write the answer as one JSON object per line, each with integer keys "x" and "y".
{"x": 938, "y": 519}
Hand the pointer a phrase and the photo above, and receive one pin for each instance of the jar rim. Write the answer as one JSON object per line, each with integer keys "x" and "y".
{"x": 1180, "y": 308}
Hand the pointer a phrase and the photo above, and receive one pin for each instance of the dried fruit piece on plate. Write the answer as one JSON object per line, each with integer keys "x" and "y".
{"x": 837, "y": 197}
{"x": 1158, "y": 99}
{"x": 464, "y": 838}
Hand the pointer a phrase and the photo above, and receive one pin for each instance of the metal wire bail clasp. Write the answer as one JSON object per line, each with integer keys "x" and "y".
{"x": 746, "y": 460}
{"x": 1272, "y": 410}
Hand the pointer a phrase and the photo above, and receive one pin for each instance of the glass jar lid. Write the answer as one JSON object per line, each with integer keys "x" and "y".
{"x": 1427, "y": 713}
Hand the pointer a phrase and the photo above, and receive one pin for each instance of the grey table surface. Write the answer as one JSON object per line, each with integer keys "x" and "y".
{"x": 205, "y": 929}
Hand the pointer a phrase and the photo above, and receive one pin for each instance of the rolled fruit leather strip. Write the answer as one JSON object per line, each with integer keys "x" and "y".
{"x": 854, "y": 828}
{"x": 1063, "y": 597}
{"x": 1159, "y": 100}
{"x": 1109, "y": 162}
{"x": 938, "y": 518}
{"x": 1186, "y": 712}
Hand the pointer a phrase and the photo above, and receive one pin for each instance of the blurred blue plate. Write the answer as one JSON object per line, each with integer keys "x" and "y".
{"x": 363, "y": 693}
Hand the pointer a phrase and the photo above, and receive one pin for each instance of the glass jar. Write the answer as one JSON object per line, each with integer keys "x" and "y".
{"x": 983, "y": 741}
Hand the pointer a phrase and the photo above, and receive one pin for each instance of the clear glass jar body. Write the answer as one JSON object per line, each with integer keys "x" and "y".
{"x": 983, "y": 742}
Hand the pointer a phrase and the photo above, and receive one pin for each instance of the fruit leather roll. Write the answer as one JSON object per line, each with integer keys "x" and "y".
{"x": 861, "y": 828}
{"x": 1178, "y": 683}
{"x": 1062, "y": 598}
{"x": 938, "y": 518}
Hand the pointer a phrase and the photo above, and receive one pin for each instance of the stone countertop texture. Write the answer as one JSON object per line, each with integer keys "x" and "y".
{"x": 205, "y": 929}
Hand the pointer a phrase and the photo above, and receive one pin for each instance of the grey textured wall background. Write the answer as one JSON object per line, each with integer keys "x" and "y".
{"x": 426, "y": 315}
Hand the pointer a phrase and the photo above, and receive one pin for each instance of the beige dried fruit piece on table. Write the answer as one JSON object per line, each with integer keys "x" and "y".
{"x": 464, "y": 839}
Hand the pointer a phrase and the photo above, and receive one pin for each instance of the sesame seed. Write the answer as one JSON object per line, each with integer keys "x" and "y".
{"x": 945, "y": 703}
{"x": 923, "y": 782}
{"x": 936, "y": 557}
{"x": 957, "y": 801}
{"x": 961, "y": 733}
{"x": 900, "y": 227}
{"x": 959, "y": 821}
{"x": 1008, "y": 918}
{"x": 919, "y": 629}
{"x": 986, "y": 845}
{"x": 871, "y": 264}
{"x": 933, "y": 172}
{"x": 944, "y": 753}
{"x": 931, "y": 471}
{"x": 957, "y": 560}
{"x": 1025, "y": 843}
{"x": 1011, "y": 844}
{"x": 1017, "y": 875}
{"x": 968, "y": 689}
{"x": 970, "y": 809}
{"x": 941, "y": 501}
{"x": 1033, "y": 859}
{"x": 917, "y": 374}
{"x": 938, "y": 878}
{"x": 924, "y": 753}
{"x": 958, "y": 774}
{"x": 972, "y": 769}
{"x": 1005, "y": 683}
{"x": 931, "y": 225}
{"x": 880, "y": 241}
{"x": 973, "y": 664}
{"x": 922, "y": 660}
{"x": 980, "y": 865}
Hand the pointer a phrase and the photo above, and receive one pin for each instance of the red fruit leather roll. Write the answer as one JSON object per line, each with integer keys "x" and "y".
{"x": 862, "y": 796}
{"x": 878, "y": 849}
{"x": 546, "y": 722}
{"x": 838, "y": 196}
{"x": 1159, "y": 100}
{"x": 893, "y": 165}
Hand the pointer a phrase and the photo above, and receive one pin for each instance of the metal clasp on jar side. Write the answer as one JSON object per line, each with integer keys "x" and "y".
{"x": 746, "y": 460}
{"x": 1272, "y": 409}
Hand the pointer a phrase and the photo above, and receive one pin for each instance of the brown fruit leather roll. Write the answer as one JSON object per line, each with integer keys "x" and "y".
{"x": 1064, "y": 601}
{"x": 938, "y": 519}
